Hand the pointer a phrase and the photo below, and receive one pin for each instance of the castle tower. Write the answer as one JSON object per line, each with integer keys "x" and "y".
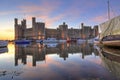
{"x": 24, "y": 23}
{"x": 82, "y": 25}
{"x": 82, "y": 30}
{"x": 95, "y": 31}
{"x": 16, "y": 21}
{"x": 34, "y": 32}
{"x": 23, "y": 26}
{"x": 33, "y": 21}
{"x": 63, "y": 31}
{"x": 16, "y": 28}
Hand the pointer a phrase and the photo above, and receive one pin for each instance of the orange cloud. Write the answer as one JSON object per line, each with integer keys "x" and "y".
{"x": 42, "y": 11}
{"x": 49, "y": 21}
{"x": 99, "y": 19}
{"x": 103, "y": 17}
{"x": 46, "y": 7}
{"x": 7, "y": 12}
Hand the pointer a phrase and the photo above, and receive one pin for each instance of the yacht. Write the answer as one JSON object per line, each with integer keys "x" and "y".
{"x": 110, "y": 35}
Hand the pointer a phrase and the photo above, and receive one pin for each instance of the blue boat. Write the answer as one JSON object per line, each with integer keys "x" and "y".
{"x": 22, "y": 41}
{"x": 3, "y": 43}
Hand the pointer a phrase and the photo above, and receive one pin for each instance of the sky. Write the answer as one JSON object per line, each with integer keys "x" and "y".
{"x": 54, "y": 13}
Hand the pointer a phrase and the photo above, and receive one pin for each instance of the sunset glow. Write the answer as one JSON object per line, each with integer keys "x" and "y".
{"x": 53, "y": 13}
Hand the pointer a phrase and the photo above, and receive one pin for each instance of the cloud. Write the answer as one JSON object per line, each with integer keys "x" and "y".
{"x": 45, "y": 7}
{"x": 46, "y": 19}
{"x": 48, "y": 10}
{"x": 99, "y": 19}
{"x": 102, "y": 17}
{"x": 43, "y": 11}
{"x": 8, "y": 12}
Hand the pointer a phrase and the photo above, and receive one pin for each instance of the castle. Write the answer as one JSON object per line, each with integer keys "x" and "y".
{"x": 38, "y": 31}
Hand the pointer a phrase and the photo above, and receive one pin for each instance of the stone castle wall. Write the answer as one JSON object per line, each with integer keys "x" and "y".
{"x": 38, "y": 31}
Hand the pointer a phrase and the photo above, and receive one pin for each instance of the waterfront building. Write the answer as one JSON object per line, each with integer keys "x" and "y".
{"x": 39, "y": 31}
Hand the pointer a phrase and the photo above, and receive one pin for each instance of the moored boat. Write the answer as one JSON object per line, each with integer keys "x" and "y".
{"x": 22, "y": 41}
{"x": 50, "y": 40}
{"x": 111, "y": 40}
{"x": 81, "y": 40}
{"x": 91, "y": 41}
{"x": 110, "y": 35}
{"x": 3, "y": 43}
{"x": 51, "y": 45}
{"x": 62, "y": 41}
{"x": 39, "y": 41}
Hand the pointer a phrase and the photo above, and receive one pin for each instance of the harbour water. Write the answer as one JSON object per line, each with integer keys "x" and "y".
{"x": 58, "y": 62}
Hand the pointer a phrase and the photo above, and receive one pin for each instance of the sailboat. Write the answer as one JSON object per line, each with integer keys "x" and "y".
{"x": 110, "y": 35}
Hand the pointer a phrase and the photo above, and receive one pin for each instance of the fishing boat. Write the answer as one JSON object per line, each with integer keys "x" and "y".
{"x": 110, "y": 35}
{"x": 3, "y": 43}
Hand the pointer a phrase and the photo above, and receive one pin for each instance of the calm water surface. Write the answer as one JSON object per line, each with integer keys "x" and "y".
{"x": 58, "y": 62}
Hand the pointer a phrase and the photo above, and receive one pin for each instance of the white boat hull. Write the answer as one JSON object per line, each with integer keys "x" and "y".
{"x": 50, "y": 40}
{"x": 62, "y": 41}
{"x": 81, "y": 40}
{"x": 51, "y": 45}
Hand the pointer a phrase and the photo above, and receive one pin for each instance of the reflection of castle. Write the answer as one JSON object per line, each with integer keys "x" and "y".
{"x": 38, "y": 52}
{"x": 38, "y": 31}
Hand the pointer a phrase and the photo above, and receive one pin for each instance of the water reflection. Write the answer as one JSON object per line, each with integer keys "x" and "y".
{"x": 39, "y": 52}
{"x": 53, "y": 62}
{"x": 111, "y": 59}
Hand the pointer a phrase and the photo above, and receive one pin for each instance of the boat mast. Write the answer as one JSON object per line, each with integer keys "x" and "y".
{"x": 108, "y": 10}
